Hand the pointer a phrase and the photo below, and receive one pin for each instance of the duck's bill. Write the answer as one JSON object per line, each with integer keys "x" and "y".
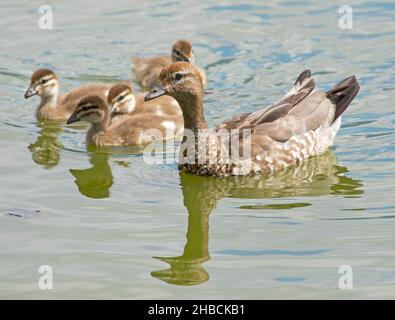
{"x": 187, "y": 59}
{"x": 30, "y": 92}
{"x": 112, "y": 110}
{"x": 73, "y": 118}
{"x": 154, "y": 93}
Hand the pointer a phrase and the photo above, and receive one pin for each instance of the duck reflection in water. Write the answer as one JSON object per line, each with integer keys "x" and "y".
{"x": 317, "y": 176}
{"x": 47, "y": 147}
{"x": 95, "y": 182}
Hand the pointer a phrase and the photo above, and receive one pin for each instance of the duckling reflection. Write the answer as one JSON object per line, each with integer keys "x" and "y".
{"x": 95, "y": 182}
{"x": 47, "y": 147}
{"x": 317, "y": 176}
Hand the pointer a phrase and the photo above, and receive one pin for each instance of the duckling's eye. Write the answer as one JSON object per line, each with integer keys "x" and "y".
{"x": 120, "y": 98}
{"x": 178, "y": 76}
{"x": 43, "y": 81}
{"x": 177, "y": 52}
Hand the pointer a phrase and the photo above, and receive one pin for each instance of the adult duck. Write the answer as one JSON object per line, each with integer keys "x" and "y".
{"x": 302, "y": 124}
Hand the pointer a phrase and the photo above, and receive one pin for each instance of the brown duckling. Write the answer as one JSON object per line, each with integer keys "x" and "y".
{"x": 147, "y": 70}
{"x": 53, "y": 106}
{"x": 139, "y": 129}
{"x": 123, "y": 101}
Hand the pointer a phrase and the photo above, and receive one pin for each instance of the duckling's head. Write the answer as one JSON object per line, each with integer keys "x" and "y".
{"x": 180, "y": 80}
{"x": 182, "y": 51}
{"x": 121, "y": 99}
{"x": 92, "y": 109}
{"x": 43, "y": 83}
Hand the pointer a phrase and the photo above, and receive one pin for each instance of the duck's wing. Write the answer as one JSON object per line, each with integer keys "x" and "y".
{"x": 234, "y": 122}
{"x": 71, "y": 98}
{"x": 303, "y": 86}
{"x": 317, "y": 109}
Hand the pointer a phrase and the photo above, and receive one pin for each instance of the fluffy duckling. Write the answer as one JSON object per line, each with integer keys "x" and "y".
{"x": 122, "y": 101}
{"x": 138, "y": 129}
{"x": 53, "y": 106}
{"x": 302, "y": 124}
{"x": 147, "y": 70}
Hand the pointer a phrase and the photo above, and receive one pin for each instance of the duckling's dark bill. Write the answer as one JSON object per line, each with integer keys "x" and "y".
{"x": 154, "y": 93}
{"x": 30, "y": 92}
{"x": 73, "y": 118}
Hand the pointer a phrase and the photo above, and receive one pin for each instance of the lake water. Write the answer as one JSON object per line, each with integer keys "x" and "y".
{"x": 112, "y": 226}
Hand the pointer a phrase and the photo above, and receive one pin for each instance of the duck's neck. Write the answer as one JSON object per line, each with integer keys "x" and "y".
{"x": 193, "y": 113}
{"x": 195, "y": 125}
{"x": 131, "y": 104}
{"x": 50, "y": 99}
{"x": 99, "y": 127}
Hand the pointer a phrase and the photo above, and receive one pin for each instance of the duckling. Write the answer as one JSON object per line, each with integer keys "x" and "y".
{"x": 147, "y": 70}
{"x": 302, "y": 124}
{"x": 139, "y": 129}
{"x": 123, "y": 102}
{"x": 53, "y": 106}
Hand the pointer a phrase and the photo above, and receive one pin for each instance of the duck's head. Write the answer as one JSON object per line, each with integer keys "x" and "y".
{"x": 182, "y": 51}
{"x": 121, "y": 99}
{"x": 43, "y": 83}
{"x": 180, "y": 80}
{"x": 92, "y": 109}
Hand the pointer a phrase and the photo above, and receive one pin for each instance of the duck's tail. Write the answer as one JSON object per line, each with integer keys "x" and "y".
{"x": 342, "y": 94}
{"x": 303, "y": 76}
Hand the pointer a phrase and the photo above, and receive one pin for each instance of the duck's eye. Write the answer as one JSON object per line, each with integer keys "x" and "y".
{"x": 177, "y": 52}
{"x": 178, "y": 76}
{"x": 120, "y": 98}
{"x": 43, "y": 81}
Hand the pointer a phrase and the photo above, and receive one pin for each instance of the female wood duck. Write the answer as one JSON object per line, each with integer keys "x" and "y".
{"x": 302, "y": 124}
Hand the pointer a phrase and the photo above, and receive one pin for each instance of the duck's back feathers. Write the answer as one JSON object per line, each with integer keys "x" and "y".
{"x": 302, "y": 124}
{"x": 162, "y": 106}
{"x": 139, "y": 129}
{"x": 303, "y": 86}
{"x": 70, "y": 100}
{"x": 147, "y": 70}
{"x": 66, "y": 103}
{"x": 301, "y": 110}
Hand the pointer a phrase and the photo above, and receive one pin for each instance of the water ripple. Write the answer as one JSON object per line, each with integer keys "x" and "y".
{"x": 275, "y": 252}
